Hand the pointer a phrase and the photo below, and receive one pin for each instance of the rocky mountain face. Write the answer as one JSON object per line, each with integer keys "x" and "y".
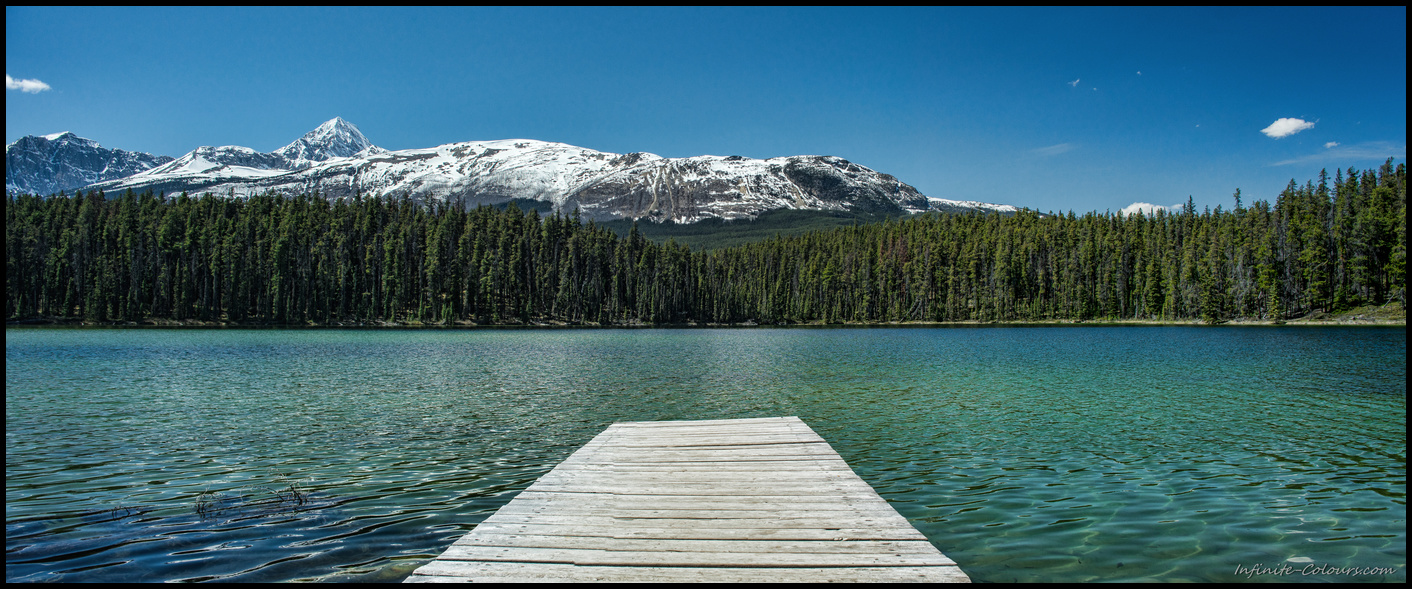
{"x": 47, "y": 164}
{"x": 335, "y": 138}
{"x": 336, "y": 160}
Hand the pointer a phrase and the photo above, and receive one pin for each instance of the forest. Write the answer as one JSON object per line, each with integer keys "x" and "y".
{"x": 1328, "y": 245}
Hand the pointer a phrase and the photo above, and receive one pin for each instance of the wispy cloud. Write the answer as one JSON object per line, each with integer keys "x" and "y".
{"x": 1339, "y": 154}
{"x": 1147, "y": 209}
{"x": 1074, "y": 83}
{"x": 27, "y": 86}
{"x": 1331, "y": 145}
{"x": 1054, "y": 150}
{"x": 1286, "y": 127}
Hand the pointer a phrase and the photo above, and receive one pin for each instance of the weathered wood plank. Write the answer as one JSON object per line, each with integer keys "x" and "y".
{"x": 540, "y": 572}
{"x": 628, "y": 475}
{"x": 739, "y": 464}
{"x": 678, "y": 545}
{"x": 627, "y": 480}
{"x": 697, "y": 489}
{"x": 703, "y": 475}
{"x": 725, "y": 508}
{"x": 781, "y": 467}
{"x": 591, "y": 557}
{"x": 658, "y": 454}
{"x": 821, "y": 463}
{"x": 705, "y": 533}
{"x": 834, "y": 520}
{"x": 762, "y": 499}
{"x": 733, "y": 519}
{"x": 722, "y": 511}
{"x": 692, "y": 422}
{"x": 636, "y": 501}
{"x": 698, "y": 502}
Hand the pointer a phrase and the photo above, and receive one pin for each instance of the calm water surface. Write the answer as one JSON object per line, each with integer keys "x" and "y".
{"x": 1024, "y": 453}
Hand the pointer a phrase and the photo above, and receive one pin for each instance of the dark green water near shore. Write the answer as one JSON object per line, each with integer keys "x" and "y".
{"x": 1024, "y": 453}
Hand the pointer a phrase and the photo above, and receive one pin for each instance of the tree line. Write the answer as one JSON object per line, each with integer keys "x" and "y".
{"x": 300, "y": 260}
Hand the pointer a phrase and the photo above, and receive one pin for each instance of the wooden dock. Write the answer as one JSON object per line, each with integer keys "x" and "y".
{"x": 718, "y": 500}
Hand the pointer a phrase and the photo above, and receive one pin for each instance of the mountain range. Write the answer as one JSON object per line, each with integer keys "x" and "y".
{"x": 336, "y": 160}
{"x": 46, "y": 164}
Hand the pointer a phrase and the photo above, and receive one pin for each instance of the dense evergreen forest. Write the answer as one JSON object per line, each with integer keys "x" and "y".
{"x": 1323, "y": 246}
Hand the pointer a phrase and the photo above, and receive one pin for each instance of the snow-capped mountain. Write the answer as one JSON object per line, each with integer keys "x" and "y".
{"x": 336, "y": 161}
{"x": 335, "y": 138}
{"x": 46, "y": 164}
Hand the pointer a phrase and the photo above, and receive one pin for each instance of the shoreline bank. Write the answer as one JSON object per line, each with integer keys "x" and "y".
{"x": 1366, "y": 316}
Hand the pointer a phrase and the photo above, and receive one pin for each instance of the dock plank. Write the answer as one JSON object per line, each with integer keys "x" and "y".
{"x": 597, "y": 557}
{"x": 830, "y": 521}
{"x": 736, "y": 500}
{"x": 679, "y": 545}
{"x": 707, "y": 533}
{"x": 463, "y": 571}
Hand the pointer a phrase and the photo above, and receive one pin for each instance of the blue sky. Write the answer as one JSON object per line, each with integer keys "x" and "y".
{"x": 1053, "y": 109}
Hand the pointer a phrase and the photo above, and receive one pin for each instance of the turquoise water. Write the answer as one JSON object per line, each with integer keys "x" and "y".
{"x": 1024, "y": 453}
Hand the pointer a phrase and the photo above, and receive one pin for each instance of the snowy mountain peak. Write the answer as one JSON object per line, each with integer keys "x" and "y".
{"x": 62, "y": 138}
{"x": 335, "y": 138}
{"x": 46, "y": 164}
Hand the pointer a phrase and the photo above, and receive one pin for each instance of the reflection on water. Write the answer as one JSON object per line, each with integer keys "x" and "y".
{"x": 1025, "y": 454}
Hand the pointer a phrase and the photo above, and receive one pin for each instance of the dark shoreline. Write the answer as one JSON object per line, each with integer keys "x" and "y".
{"x": 1357, "y": 321}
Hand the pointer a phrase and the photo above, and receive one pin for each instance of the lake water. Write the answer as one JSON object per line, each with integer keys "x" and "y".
{"x": 1024, "y": 453}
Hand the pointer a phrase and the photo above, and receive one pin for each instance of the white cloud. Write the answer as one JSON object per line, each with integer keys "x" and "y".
{"x": 1331, "y": 145}
{"x": 1286, "y": 127}
{"x": 1147, "y": 209}
{"x": 1053, "y": 149}
{"x": 28, "y": 86}
{"x": 1074, "y": 83}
